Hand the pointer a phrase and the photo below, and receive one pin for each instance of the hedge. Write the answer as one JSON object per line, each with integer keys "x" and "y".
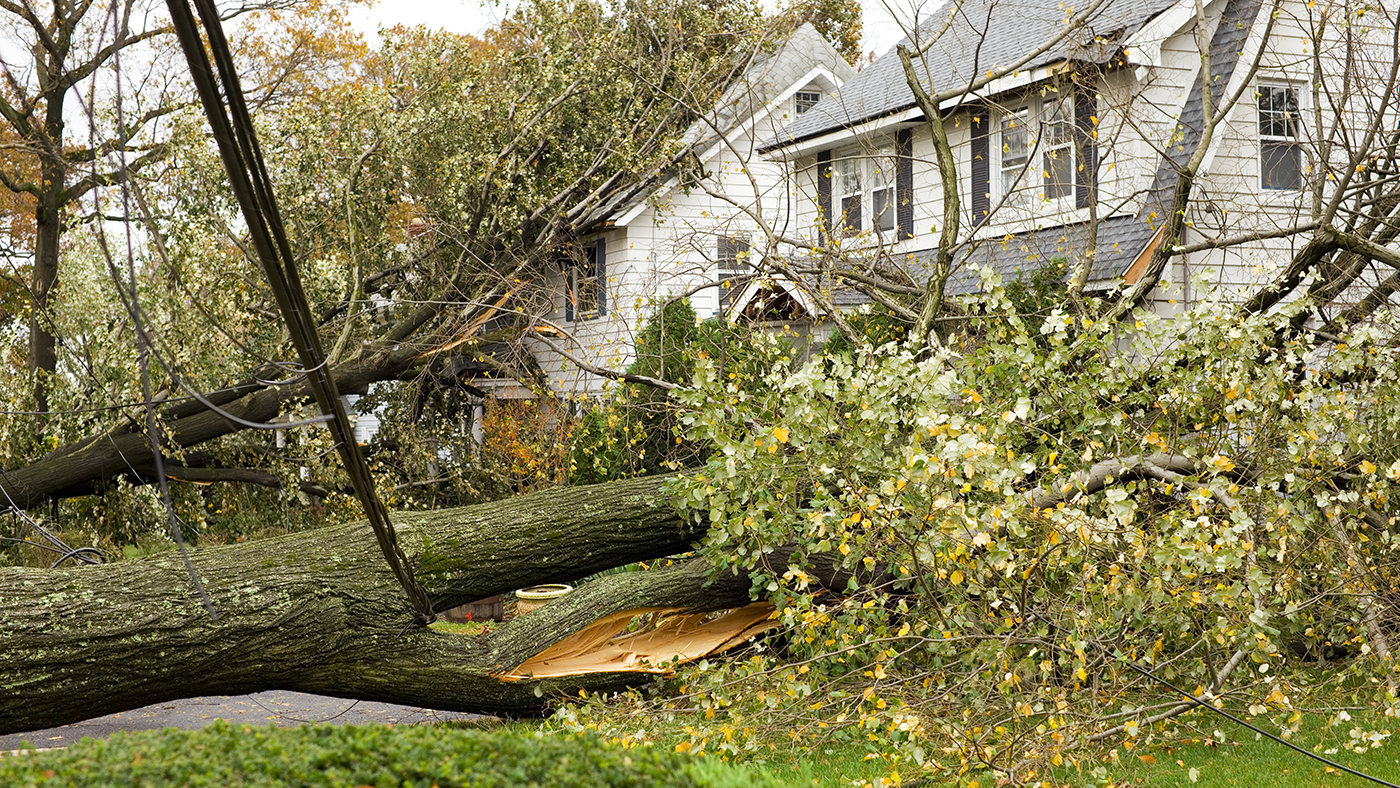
{"x": 235, "y": 756}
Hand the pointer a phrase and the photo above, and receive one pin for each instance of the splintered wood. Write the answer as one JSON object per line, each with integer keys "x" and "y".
{"x": 667, "y": 638}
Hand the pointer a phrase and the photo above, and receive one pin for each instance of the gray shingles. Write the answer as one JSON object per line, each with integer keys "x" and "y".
{"x": 1119, "y": 241}
{"x": 985, "y": 35}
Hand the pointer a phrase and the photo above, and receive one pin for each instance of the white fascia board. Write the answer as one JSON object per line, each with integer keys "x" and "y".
{"x": 844, "y": 134}
{"x": 772, "y": 106}
{"x": 739, "y": 304}
{"x": 1144, "y": 48}
{"x": 645, "y": 204}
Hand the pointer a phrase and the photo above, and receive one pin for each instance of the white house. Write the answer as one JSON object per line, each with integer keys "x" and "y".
{"x": 1070, "y": 128}
{"x": 676, "y": 235}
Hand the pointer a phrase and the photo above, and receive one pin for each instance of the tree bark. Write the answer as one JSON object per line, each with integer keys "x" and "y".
{"x": 319, "y": 611}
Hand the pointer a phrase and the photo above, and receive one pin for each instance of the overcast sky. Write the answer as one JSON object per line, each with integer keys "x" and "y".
{"x": 473, "y": 16}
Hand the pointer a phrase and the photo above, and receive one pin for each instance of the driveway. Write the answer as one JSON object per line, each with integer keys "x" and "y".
{"x": 276, "y": 707}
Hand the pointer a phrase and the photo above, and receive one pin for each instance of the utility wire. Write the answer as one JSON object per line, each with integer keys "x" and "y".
{"x": 232, "y": 129}
{"x": 1144, "y": 672}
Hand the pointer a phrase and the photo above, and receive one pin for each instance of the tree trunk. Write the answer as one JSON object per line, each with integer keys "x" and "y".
{"x": 319, "y": 611}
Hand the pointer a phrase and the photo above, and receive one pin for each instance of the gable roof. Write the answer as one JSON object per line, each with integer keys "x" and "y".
{"x": 973, "y": 38}
{"x": 768, "y": 79}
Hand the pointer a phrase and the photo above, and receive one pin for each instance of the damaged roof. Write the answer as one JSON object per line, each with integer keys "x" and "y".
{"x": 974, "y": 37}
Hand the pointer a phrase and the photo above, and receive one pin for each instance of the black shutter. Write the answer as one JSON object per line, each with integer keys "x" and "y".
{"x": 569, "y": 291}
{"x": 904, "y": 185}
{"x": 981, "y": 165}
{"x": 1085, "y": 145}
{"x": 600, "y": 269}
{"x": 824, "y": 192}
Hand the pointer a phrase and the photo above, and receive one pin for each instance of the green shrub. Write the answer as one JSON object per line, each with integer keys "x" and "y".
{"x": 228, "y": 755}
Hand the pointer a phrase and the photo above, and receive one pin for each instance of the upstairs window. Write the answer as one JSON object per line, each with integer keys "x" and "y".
{"x": 1280, "y": 135}
{"x": 1015, "y": 147}
{"x": 732, "y": 266}
{"x": 1037, "y": 149}
{"x": 1057, "y": 147}
{"x": 804, "y": 100}
{"x": 866, "y": 191}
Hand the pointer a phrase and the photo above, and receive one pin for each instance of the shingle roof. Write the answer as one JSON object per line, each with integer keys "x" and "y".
{"x": 1120, "y": 239}
{"x": 984, "y": 35}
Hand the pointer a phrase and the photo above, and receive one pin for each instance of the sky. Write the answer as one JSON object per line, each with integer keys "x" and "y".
{"x": 473, "y": 16}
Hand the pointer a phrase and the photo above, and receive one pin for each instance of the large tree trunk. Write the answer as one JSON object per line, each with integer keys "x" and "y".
{"x": 320, "y": 612}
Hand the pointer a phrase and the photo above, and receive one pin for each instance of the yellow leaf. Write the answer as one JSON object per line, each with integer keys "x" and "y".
{"x": 781, "y": 433}
{"x": 1147, "y": 759}
{"x": 956, "y": 577}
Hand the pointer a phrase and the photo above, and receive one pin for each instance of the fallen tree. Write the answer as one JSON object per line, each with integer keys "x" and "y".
{"x": 319, "y": 612}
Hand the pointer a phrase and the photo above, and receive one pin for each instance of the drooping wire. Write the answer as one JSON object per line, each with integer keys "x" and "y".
{"x": 143, "y": 343}
{"x": 1189, "y": 698}
{"x": 231, "y": 124}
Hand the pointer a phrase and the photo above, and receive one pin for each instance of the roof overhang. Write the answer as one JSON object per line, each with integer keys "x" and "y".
{"x": 787, "y": 150}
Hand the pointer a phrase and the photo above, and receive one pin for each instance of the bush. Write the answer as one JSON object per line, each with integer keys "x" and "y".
{"x": 343, "y": 755}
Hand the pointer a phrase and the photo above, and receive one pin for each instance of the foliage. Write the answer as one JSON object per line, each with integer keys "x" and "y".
{"x": 638, "y": 432}
{"x": 348, "y": 755}
{"x": 525, "y": 447}
{"x": 839, "y": 21}
{"x": 1020, "y": 517}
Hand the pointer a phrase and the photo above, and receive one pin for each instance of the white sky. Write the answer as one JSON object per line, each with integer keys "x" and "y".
{"x": 473, "y": 16}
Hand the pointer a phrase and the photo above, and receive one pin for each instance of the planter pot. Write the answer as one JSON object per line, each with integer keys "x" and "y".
{"x": 527, "y": 599}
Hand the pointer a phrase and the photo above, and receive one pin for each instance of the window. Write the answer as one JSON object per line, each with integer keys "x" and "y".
{"x": 731, "y": 263}
{"x": 866, "y": 186}
{"x": 1015, "y": 147}
{"x": 1280, "y": 127}
{"x": 1040, "y": 132}
{"x": 804, "y": 100}
{"x": 882, "y": 191}
{"x": 848, "y": 180}
{"x": 587, "y": 283}
{"x": 1057, "y": 147}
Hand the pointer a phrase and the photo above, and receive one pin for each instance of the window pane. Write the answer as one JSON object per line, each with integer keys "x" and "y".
{"x": 1059, "y": 173}
{"x": 1059, "y": 113}
{"x": 882, "y": 204}
{"x": 1015, "y": 143}
{"x": 850, "y": 213}
{"x": 1278, "y": 111}
{"x": 805, "y": 100}
{"x": 1281, "y": 165}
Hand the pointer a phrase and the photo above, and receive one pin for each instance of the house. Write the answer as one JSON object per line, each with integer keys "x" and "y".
{"x": 680, "y": 234}
{"x": 1069, "y": 129}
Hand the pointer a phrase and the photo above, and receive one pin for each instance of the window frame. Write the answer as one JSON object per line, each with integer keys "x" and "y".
{"x": 732, "y": 255}
{"x": 1047, "y": 125}
{"x": 586, "y": 280}
{"x": 1291, "y": 137}
{"x": 803, "y": 101}
{"x": 868, "y": 181}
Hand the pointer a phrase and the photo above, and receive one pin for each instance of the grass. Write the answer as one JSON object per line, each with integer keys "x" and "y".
{"x": 1248, "y": 759}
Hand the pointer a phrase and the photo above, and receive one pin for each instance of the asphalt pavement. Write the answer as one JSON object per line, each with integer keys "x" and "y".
{"x": 277, "y": 707}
